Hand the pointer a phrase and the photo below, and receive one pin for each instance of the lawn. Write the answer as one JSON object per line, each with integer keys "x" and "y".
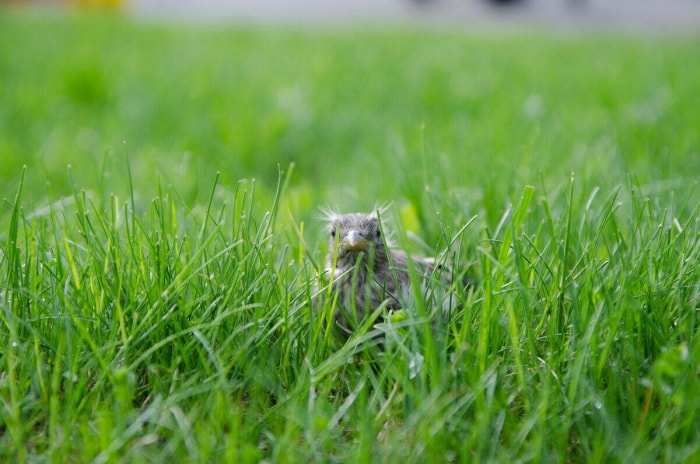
{"x": 160, "y": 239}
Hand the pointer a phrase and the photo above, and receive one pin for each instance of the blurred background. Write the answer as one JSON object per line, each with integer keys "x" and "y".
{"x": 648, "y": 14}
{"x": 437, "y": 105}
{"x": 559, "y": 13}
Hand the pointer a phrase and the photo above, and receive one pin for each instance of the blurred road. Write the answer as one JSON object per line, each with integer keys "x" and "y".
{"x": 647, "y": 15}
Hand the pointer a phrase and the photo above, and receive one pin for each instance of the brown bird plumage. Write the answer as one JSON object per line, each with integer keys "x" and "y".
{"x": 364, "y": 272}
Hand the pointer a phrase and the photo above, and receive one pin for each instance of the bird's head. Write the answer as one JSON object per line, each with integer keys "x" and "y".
{"x": 352, "y": 234}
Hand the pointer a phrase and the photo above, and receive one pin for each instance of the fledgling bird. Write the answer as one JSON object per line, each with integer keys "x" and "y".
{"x": 366, "y": 272}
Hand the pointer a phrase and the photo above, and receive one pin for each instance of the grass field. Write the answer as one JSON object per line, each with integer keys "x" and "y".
{"x": 159, "y": 249}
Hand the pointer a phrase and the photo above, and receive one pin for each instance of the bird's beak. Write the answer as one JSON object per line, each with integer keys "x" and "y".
{"x": 355, "y": 242}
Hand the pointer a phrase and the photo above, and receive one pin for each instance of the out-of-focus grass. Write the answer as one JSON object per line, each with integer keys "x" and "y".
{"x": 366, "y": 115}
{"x": 153, "y": 311}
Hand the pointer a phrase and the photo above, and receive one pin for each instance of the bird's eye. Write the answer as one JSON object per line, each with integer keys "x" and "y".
{"x": 379, "y": 233}
{"x": 333, "y": 233}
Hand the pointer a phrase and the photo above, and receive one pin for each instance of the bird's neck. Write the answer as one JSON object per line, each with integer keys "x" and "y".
{"x": 367, "y": 264}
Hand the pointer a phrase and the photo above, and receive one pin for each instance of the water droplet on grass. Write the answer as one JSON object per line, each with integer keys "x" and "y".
{"x": 415, "y": 365}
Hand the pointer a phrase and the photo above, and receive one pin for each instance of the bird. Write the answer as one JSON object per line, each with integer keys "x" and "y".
{"x": 365, "y": 271}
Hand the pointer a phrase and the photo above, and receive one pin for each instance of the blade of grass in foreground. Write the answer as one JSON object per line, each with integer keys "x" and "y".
{"x": 186, "y": 333}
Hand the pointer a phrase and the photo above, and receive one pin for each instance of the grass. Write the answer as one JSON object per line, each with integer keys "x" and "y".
{"x": 153, "y": 309}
